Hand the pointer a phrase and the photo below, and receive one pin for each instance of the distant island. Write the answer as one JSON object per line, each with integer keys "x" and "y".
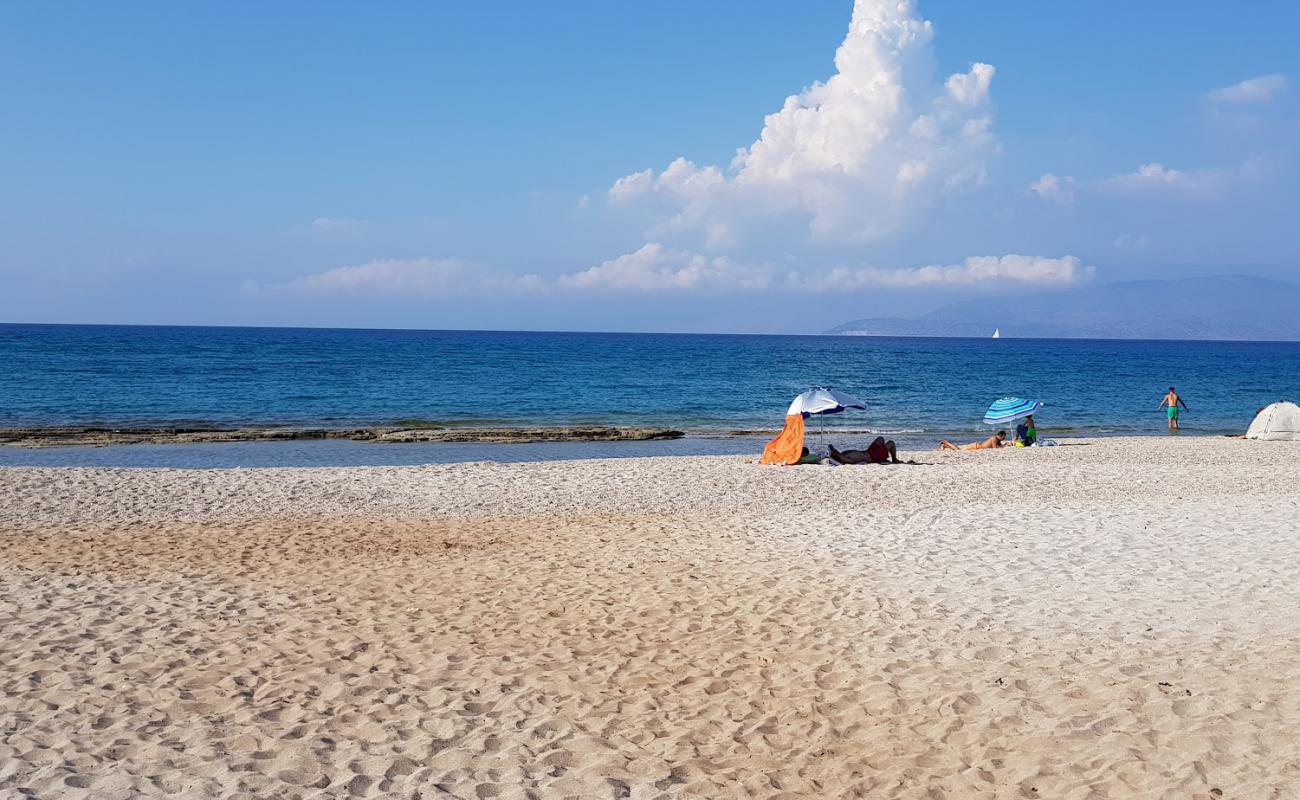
{"x": 1226, "y": 308}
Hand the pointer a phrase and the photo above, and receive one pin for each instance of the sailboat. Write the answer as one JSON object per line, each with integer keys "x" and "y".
{"x": 997, "y": 333}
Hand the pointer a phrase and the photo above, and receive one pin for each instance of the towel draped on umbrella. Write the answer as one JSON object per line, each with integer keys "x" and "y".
{"x": 787, "y": 447}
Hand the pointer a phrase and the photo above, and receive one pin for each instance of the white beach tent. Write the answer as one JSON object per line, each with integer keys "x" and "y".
{"x": 1279, "y": 422}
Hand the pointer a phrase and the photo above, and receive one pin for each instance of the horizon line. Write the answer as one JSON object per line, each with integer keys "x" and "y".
{"x": 226, "y": 326}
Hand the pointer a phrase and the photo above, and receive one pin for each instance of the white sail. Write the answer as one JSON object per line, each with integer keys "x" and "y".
{"x": 997, "y": 333}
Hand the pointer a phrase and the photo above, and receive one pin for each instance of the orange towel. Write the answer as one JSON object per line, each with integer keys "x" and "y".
{"x": 787, "y": 447}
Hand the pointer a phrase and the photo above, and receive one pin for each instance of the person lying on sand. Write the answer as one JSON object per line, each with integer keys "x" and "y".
{"x": 992, "y": 443}
{"x": 878, "y": 452}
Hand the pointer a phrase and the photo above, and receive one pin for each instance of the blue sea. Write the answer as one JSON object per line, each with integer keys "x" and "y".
{"x": 916, "y": 389}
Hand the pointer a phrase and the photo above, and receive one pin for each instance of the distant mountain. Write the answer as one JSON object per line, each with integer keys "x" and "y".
{"x": 1225, "y": 308}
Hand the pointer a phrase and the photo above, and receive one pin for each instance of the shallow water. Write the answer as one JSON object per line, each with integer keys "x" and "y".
{"x": 917, "y": 390}
{"x": 345, "y": 453}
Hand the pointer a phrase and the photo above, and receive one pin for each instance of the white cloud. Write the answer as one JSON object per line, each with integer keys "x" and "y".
{"x": 1253, "y": 90}
{"x": 405, "y": 278}
{"x": 974, "y": 271}
{"x": 655, "y": 268}
{"x": 688, "y": 181}
{"x": 1155, "y": 177}
{"x": 970, "y": 88}
{"x": 856, "y": 156}
{"x": 1199, "y": 183}
{"x": 1054, "y": 189}
{"x": 630, "y": 186}
{"x": 419, "y": 276}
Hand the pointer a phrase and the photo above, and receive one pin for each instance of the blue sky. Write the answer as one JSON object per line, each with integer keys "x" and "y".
{"x": 484, "y": 165}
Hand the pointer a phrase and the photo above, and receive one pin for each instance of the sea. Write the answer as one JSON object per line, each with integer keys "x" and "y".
{"x": 917, "y": 390}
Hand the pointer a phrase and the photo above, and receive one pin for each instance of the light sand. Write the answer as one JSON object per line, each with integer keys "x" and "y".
{"x": 1101, "y": 621}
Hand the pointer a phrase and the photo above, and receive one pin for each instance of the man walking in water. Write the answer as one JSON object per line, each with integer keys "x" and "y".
{"x": 1171, "y": 403}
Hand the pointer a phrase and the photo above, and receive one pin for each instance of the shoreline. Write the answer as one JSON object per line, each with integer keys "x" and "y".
{"x": 56, "y": 436}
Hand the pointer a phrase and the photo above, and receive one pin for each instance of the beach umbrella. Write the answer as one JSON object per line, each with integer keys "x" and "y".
{"x": 1010, "y": 409}
{"x": 823, "y": 401}
{"x": 785, "y": 448}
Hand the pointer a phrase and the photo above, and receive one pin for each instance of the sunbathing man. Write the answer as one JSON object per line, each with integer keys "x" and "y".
{"x": 992, "y": 443}
{"x": 878, "y": 452}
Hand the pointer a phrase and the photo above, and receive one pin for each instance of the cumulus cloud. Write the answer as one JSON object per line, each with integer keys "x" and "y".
{"x": 1156, "y": 177}
{"x": 856, "y": 155}
{"x": 632, "y": 186}
{"x": 1253, "y": 90}
{"x": 656, "y": 268}
{"x": 1054, "y": 189}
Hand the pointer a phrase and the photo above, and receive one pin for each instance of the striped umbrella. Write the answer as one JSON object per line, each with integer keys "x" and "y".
{"x": 1009, "y": 409}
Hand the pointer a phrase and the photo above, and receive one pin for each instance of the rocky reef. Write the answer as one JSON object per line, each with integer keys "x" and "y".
{"x": 96, "y": 436}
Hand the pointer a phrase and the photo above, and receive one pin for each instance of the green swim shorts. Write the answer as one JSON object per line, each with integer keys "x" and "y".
{"x": 1172, "y": 411}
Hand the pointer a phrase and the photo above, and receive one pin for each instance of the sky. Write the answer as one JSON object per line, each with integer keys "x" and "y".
{"x": 757, "y": 166}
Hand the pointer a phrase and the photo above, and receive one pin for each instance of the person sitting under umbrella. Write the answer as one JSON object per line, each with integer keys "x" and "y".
{"x": 878, "y": 452}
{"x": 995, "y": 441}
{"x": 1026, "y": 432}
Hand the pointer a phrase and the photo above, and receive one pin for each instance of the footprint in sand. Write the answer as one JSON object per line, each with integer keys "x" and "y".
{"x": 993, "y": 653}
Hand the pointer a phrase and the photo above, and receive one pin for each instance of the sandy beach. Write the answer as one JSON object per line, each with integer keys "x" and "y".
{"x": 1110, "y": 619}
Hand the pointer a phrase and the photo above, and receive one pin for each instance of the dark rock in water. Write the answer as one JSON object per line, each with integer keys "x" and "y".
{"x": 95, "y": 436}
{"x": 522, "y": 435}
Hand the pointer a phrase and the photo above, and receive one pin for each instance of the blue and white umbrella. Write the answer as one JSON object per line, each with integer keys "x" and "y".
{"x": 823, "y": 401}
{"x": 820, "y": 402}
{"x": 1009, "y": 409}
